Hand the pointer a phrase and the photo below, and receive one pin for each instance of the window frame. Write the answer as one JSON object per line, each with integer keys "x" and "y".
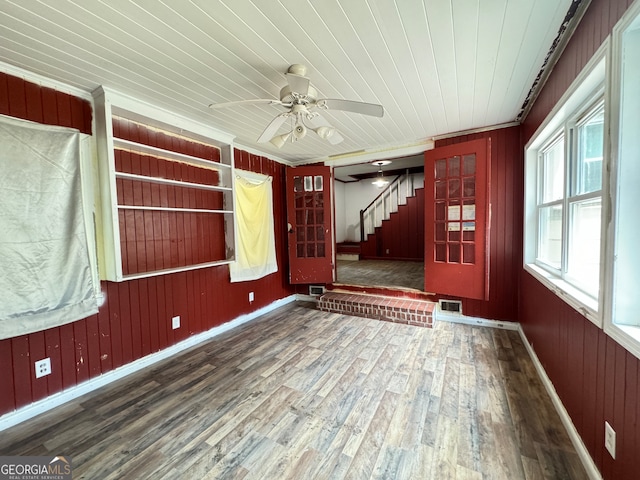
{"x": 626, "y": 335}
{"x": 584, "y": 97}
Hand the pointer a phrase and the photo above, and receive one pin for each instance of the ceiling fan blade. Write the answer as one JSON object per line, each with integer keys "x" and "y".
{"x": 245, "y": 102}
{"x": 317, "y": 121}
{"x": 298, "y": 84}
{"x": 362, "y": 108}
{"x": 273, "y": 127}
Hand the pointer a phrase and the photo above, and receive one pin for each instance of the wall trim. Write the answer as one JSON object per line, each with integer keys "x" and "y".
{"x": 576, "y": 439}
{"x": 439, "y": 315}
{"x": 41, "y": 406}
{"x": 303, "y": 297}
{"x": 475, "y": 130}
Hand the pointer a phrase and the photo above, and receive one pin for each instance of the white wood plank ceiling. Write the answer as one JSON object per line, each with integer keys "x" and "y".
{"x": 437, "y": 66}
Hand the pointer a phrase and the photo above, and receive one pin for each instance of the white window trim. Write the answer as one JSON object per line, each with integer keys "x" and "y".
{"x": 625, "y": 335}
{"x": 590, "y": 80}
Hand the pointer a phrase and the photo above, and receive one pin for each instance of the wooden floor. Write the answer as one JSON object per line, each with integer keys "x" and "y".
{"x": 302, "y": 394}
{"x": 382, "y": 273}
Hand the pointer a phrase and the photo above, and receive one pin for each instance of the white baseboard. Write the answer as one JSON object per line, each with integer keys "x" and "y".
{"x": 41, "y": 406}
{"x": 578, "y": 444}
{"x": 439, "y": 315}
{"x": 306, "y": 298}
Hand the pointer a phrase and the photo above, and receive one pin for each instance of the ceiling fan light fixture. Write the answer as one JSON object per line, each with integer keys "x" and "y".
{"x": 280, "y": 140}
{"x": 325, "y": 132}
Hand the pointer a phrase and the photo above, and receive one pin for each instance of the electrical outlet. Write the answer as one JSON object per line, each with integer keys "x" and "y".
{"x": 610, "y": 439}
{"x": 175, "y": 322}
{"x": 43, "y": 367}
{"x": 252, "y": 297}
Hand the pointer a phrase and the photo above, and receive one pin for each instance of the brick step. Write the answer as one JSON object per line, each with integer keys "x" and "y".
{"x": 407, "y": 311}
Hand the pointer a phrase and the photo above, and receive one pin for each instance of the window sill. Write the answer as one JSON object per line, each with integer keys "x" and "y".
{"x": 575, "y": 298}
{"x": 626, "y": 335}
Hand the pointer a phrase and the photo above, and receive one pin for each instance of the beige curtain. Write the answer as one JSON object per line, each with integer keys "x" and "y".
{"x": 256, "y": 247}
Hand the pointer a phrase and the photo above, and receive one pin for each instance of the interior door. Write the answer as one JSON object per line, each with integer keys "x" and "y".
{"x": 309, "y": 212}
{"x": 457, "y": 219}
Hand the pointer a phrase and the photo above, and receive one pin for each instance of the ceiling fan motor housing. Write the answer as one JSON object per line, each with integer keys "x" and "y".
{"x": 297, "y": 98}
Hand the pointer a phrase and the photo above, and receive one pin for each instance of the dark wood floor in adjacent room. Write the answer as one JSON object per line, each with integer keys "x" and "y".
{"x": 302, "y": 394}
{"x": 382, "y": 273}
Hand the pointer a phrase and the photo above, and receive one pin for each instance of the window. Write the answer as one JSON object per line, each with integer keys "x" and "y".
{"x": 585, "y": 201}
{"x": 582, "y": 190}
{"x": 570, "y": 198}
{"x": 564, "y": 191}
{"x": 551, "y": 181}
{"x": 623, "y": 304}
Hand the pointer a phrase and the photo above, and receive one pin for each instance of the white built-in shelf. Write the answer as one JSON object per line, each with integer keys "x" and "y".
{"x": 169, "y": 181}
{"x": 171, "y": 209}
{"x": 109, "y": 105}
{"x": 128, "y": 145}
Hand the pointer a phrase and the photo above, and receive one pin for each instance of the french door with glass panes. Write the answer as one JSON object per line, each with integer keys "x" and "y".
{"x": 457, "y": 219}
{"x": 309, "y": 209}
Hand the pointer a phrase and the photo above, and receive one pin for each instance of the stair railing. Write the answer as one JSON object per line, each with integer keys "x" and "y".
{"x": 386, "y": 203}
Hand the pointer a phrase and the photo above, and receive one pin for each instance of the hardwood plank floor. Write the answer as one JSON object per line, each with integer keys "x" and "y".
{"x": 381, "y": 273}
{"x": 303, "y": 394}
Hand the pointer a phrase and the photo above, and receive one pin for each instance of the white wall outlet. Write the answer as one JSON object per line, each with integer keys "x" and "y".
{"x": 175, "y": 322}
{"x": 252, "y": 297}
{"x": 43, "y": 367}
{"x": 610, "y": 439}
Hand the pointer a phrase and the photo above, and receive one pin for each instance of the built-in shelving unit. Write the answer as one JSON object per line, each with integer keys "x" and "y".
{"x": 167, "y": 201}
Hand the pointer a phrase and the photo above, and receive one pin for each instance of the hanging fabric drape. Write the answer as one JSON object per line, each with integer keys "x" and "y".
{"x": 256, "y": 246}
{"x": 46, "y": 274}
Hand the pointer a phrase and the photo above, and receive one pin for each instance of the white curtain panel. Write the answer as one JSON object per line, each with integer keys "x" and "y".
{"x": 46, "y": 276}
{"x": 256, "y": 245}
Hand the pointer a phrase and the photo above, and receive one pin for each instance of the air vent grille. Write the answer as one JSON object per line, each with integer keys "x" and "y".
{"x": 451, "y": 306}
{"x": 316, "y": 290}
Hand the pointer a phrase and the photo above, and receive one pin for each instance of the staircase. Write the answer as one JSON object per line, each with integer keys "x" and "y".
{"x": 392, "y": 226}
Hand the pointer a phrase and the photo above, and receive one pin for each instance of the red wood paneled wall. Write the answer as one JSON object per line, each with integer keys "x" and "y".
{"x": 43, "y": 105}
{"x": 402, "y": 234}
{"x": 594, "y": 376}
{"x": 135, "y": 319}
{"x": 505, "y": 245}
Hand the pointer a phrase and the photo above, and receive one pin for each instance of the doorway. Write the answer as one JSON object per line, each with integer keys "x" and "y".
{"x": 383, "y": 260}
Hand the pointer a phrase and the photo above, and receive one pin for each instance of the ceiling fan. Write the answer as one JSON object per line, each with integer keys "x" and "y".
{"x": 302, "y": 104}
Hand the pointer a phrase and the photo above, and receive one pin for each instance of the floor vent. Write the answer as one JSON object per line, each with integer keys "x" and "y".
{"x": 316, "y": 290}
{"x": 451, "y": 306}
